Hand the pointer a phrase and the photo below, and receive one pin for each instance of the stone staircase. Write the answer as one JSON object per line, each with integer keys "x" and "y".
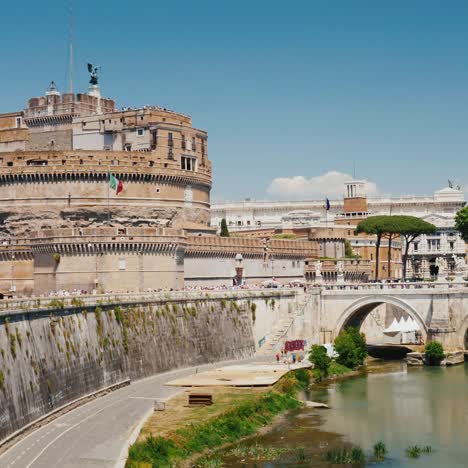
{"x": 280, "y": 330}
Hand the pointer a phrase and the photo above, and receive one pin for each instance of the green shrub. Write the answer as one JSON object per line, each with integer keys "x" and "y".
{"x": 156, "y": 451}
{"x": 321, "y": 361}
{"x": 351, "y": 347}
{"x": 434, "y": 353}
{"x": 380, "y": 450}
{"x": 413, "y": 451}
{"x": 2, "y": 380}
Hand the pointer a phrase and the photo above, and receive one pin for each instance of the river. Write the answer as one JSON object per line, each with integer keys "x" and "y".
{"x": 400, "y": 406}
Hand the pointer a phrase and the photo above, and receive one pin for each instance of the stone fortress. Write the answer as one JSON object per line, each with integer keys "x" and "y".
{"x": 63, "y": 228}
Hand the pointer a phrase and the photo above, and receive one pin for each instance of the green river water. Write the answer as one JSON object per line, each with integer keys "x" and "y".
{"x": 400, "y": 406}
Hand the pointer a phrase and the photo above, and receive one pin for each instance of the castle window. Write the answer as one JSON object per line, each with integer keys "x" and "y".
{"x": 183, "y": 142}
{"x": 188, "y": 164}
{"x": 18, "y": 122}
{"x": 10, "y": 163}
{"x": 155, "y": 140}
{"x": 140, "y": 132}
{"x": 150, "y": 163}
{"x": 194, "y": 146}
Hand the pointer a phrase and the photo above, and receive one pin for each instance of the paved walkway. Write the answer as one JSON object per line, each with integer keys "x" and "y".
{"x": 240, "y": 375}
{"x": 95, "y": 434}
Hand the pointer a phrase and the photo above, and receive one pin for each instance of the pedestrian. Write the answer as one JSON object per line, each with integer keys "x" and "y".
{"x": 277, "y": 358}
{"x": 294, "y": 358}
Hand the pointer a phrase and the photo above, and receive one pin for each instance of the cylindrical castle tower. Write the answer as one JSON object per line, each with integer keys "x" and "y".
{"x": 57, "y": 159}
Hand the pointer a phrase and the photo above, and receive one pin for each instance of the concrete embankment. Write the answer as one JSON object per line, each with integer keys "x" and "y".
{"x": 53, "y": 352}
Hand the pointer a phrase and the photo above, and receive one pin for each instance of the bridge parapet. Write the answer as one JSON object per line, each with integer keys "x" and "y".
{"x": 41, "y": 304}
{"x": 390, "y": 288}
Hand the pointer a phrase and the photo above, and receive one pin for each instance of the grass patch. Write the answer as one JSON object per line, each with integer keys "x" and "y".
{"x": 257, "y": 452}
{"x": 253, "y": 410}
{"x": 415, "y": 451}
{"x": 334, "y": 370}
{"x": 344, "y": 456}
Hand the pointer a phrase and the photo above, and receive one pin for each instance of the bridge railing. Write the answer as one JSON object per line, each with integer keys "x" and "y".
{"x": 392, "y": 286}
{"x": 37, "y": 304}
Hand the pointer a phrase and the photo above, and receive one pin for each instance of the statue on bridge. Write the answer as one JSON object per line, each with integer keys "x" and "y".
{"x": 340, "y": 272}
{"x": 318, "y": 268}
{"x": 459, "y": 268}
{"x": 340, "y": 267}
{"x": 459, "y": 262}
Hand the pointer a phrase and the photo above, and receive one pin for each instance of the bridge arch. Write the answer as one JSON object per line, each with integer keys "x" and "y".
{"x": 355, "y": 314}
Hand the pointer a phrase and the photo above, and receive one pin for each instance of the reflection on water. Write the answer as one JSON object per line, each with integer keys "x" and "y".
{"x": 424, "y": 406}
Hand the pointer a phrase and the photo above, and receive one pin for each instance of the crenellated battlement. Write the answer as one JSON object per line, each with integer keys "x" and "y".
{"x": 48, "y": 166}
{"x": 100, "y": 240}
{"x": 248, "y": 247}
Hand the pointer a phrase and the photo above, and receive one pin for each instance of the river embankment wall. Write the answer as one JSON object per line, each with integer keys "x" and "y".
{"x": 54, "y": 351}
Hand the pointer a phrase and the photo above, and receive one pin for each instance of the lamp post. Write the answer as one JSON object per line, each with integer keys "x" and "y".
{"x": 12, "y": 257}
{"x": 239, "y": 270}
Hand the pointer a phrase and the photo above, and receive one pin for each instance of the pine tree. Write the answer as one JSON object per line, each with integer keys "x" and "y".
{"x": 224, "y": 228}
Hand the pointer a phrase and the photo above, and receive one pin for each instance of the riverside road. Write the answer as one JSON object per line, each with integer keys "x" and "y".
{"x": 97, "y": 433}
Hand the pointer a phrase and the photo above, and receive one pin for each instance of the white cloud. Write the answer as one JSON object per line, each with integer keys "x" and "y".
{"x": 330, "y": 184}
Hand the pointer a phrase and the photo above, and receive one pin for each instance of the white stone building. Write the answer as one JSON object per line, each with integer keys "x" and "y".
{"x": 439, "y": 209}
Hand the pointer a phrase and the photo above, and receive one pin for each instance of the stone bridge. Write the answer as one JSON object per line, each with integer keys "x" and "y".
{"x": 440, "y": 309}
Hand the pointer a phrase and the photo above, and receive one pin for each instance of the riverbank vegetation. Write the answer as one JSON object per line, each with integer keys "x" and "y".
{"x": 351, "y": 347}
{"x": 434, "y": 353}
{"x": 246, "y": 414}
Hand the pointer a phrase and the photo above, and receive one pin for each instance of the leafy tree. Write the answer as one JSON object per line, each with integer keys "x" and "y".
{"x": 461, "y": 223}
{"x": 410, "y": 229}
{"x": 224, "y": 228}
{"x": 434, "y": 353}
{"x": 375, "y": 225}
{"x": 321, "y": 361}
{"x": 351, "y": 347}
{"x": 391, "y": 227}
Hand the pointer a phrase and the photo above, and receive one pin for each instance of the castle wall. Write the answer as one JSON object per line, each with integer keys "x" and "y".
{"x": 44, "y": 189}
{"x": 51, "y": 356}
{"x": 208, "y": 271}
{"x": 57, "y": 139}
{"x": 17, "y": 276}
{"x": 121, "y": 271}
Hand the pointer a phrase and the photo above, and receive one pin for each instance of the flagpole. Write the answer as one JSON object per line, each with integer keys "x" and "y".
{"x": 108, "y": 194}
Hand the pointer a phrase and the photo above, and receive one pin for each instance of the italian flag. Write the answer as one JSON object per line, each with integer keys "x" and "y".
{"x": 115, "y": 184}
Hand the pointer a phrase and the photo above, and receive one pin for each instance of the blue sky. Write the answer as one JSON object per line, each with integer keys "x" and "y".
{"x": 285, "y": 89}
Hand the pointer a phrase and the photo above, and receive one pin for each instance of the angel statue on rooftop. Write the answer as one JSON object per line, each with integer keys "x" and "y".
{"x": 94, "y": 74}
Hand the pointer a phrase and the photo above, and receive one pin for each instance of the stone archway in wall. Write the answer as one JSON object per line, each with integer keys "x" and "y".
{"x": 355, "y": 314}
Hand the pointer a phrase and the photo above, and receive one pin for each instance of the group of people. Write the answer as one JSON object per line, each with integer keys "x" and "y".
{"x": 289, "y": 357}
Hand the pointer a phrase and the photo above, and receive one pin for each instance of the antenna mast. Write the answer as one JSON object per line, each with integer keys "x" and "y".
{"x": 71, "y": 47}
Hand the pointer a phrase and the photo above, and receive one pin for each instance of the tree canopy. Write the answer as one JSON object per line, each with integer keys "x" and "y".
{"x": 408, "y": 227}
{"x": 224, "y": 229}
{"x": 461, "y": 223}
